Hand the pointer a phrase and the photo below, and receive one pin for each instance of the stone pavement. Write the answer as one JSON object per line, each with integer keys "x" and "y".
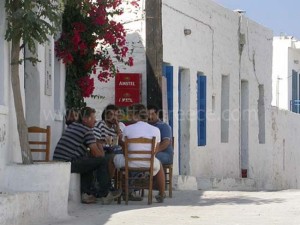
{"x": 195, "y": 208}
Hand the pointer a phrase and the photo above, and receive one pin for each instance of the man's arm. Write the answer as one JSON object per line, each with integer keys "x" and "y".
{"x": 96, "y": 150}
{"x": 163, "y": 145}
{"x": 166, "y": 135}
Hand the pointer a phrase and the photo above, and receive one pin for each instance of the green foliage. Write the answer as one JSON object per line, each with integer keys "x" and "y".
{"x": 32, "y": 21}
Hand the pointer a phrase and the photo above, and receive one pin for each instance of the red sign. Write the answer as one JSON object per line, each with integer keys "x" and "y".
{"x": 127, "y": 89}
{"x": 127, "y": 97}
{"x": 128, "y": 81}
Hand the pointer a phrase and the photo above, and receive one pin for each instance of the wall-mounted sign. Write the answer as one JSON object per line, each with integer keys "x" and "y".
{"x": 128, "y": 81}
{"x": 127, "y": 97}
{"x": 127, "y": 89}
{"x": 48, "y": 69}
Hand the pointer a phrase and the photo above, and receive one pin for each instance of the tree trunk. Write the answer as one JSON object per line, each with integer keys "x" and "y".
{"x": 15, "y": 81}
{"x": 154, "y": 52}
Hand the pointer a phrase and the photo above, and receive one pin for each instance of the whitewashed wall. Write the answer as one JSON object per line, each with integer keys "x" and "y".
{"x": 212, "y": 48}
{"x": 285, "y": 172}
{"x": 45, "y": 94}
{"x": 39, "y": 108}
{"x": 3, "y": 98}
{"x": 9, "y": 142}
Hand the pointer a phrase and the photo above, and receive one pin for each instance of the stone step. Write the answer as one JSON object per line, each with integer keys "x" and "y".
{"x": 227, "y": 184}
{"x": 74, "y": 188}
{"x": 23, "y": 208}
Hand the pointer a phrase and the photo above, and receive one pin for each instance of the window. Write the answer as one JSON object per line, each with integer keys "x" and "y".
{"x": 261, "y": 115}
{"x": 201, "y": 108}
{"x": 225, "y": 109}
{"x": 295, "y": 103}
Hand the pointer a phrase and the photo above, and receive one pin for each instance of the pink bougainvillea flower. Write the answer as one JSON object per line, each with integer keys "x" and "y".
{"x": 130, "y": 61}
{"x": 86, "y": 85}
{"x": 135, "y": 3}
{"x": 90, "y": 40}
{"x": 79, "y": 26}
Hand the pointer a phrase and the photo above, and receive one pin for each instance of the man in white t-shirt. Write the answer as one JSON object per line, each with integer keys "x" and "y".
{"x": 141, "y": 128}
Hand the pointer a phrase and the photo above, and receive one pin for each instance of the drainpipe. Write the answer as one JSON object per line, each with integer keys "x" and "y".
{"x": 277, "y": 90}
{"x": 241, "y": 42}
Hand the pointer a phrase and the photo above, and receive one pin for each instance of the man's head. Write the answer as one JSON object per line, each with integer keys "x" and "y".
{"x": 71, "y": 116}
{"x": 138, "y": 112}
{"x": 153, "y": 114}
{"x": 87, "y": 116}
{"x": 110, "y": 114}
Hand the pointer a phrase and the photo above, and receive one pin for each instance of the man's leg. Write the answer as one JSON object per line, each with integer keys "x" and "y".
{"x": 86, "y": 167}
{"x": 164, "y": 158}
{"x": 103, "y": 178}
{"x": 160, "y": 179}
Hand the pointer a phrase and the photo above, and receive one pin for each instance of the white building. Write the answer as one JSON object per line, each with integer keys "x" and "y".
{"x": 286, "y": 68}
{"x": 231, "y": 57}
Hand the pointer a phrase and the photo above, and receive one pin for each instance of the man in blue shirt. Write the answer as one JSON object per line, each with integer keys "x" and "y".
{"x": 165, "y": 150}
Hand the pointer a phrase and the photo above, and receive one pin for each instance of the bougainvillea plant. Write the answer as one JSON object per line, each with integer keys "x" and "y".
{"x": 91, "y": 42}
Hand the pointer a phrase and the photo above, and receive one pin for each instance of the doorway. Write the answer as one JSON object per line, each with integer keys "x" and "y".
{"x": 184, "y": 121}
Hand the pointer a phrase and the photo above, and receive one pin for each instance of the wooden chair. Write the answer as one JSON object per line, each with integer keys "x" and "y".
{"x": 145, "y": 181}
{"x": 168, "y": 169}
{"x": 41, "y": 142}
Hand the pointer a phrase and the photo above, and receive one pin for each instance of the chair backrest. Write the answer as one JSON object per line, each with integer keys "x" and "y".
{"x": 144, "y": 157}
{"x": 139, "y": 155}
{"x": 39, "y": 141}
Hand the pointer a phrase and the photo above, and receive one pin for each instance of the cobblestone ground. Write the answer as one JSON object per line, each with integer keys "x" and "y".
{"x": 195, "y": 208}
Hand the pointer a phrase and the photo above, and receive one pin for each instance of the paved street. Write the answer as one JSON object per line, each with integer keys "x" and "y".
{"x": 195, "y": 207}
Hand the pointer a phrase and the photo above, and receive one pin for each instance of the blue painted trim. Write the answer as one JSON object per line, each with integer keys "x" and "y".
{"x": 179, "y": 121}
{"x": 201, "y": 109}
{"x": 168, "y": 73}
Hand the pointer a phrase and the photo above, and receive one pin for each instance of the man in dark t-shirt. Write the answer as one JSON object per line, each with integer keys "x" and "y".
{"x": 165, "y": 150}
{"x": 78, "y": 145}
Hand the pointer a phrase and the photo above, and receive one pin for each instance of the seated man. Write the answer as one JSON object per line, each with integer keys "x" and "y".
{"x": 140, "y": 128}
{"x": 109, "y": 125}
{"x": 107, "y": 129}
{"x": 165, "y": 150}
{"x": 78, "y": 146}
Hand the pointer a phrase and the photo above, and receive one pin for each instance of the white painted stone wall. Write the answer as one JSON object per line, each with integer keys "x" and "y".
{"x": 45, "y": 107}
{"x": 20, "y": 208}
{"x": 285, "y": 170}
{"x": 52, "y": 178}
{"x": 9, "y": 142}
{"x": 212, "y": 48}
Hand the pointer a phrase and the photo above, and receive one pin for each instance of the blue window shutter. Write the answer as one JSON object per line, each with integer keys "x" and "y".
{"x": 168, "y": 73}
{"x": 201, "y": 106}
